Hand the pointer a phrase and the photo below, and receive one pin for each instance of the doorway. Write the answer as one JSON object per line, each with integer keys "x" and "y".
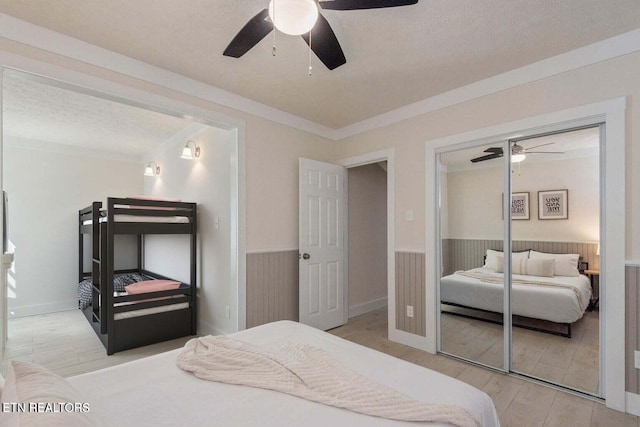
{"x": 94, "y": 173}
{"x": 367, "y": 237}
{"x": 380, "y": 163}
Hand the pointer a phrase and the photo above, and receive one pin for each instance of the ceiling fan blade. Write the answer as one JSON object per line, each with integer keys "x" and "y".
{"x": 494, "y": 150}
{"x": 363, "y": 4}
{"x": 487, "y": 157}
{"x": 324, "y": 44}
{"x": 250, "y": 35}
{"x": 536, "y": 146}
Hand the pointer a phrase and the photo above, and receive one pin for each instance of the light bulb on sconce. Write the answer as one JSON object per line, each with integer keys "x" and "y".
{"x": 152, "y": 171}
{"x": 189, "y": 153}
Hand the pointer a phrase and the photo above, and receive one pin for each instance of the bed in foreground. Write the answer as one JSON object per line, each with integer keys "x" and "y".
{"x": 154, "y": 391}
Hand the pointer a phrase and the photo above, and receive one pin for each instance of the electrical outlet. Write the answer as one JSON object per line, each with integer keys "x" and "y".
{"x": 410, "y": 215}
{"x": 217, "y": 223}
{"x": 637, "y": 359}
{"x": 409, "y": 311}
{"x": 228, "y": 310}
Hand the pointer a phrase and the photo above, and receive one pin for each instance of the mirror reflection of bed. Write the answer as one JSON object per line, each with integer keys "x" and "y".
{"x": 555, "y": 263}
{"x": 555, "y": 332}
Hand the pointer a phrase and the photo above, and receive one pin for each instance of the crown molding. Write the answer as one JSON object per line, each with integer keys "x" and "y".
{"x": 42, "y": 38}
{"x": 30, "y": 34}
{"x": 604, "y": 50}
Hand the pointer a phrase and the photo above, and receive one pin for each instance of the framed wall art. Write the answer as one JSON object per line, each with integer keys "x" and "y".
{"x": 553, "y": 204}
{"x": 519, "y": 206}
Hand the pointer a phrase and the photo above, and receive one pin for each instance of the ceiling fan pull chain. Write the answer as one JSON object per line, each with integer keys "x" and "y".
{"x": 273, "y": 49}
{"x": 310, "y": 68}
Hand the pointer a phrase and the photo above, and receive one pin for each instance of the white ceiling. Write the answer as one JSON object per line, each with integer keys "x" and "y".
{"x": 394, "y": 56}
{"x": 579, "y": 143}
{"x": 35, "y": 110}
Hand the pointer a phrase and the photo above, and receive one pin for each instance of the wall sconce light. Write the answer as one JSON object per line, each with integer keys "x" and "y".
{"x": 152, "y": 171}
{"x": 188, "y": 153}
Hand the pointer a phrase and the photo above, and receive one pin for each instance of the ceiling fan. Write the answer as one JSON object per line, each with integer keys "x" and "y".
{"x": 324, "y": 42}
{"x": 518, "y": 153}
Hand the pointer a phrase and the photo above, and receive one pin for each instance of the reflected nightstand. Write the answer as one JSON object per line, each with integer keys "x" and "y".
{"x": 592, "y": 274}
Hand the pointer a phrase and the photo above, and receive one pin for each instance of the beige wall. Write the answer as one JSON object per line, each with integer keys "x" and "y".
{"x": 367, "y": 234}
{"x": 607, "y": 80}
{"x": 206, "y": 181}
{"x": 46, "y": 189}
{"x": 271, "y": 153}
{"x": 475, "y": 201}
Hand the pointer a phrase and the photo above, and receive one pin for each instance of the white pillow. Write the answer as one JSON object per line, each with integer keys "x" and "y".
{"x": 564, "y": 264}
{"x": 528, "y": 267}
{"x": 28, "y": 382}
{"x": 491, "y": 260}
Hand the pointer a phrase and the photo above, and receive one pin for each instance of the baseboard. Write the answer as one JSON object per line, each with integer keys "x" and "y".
{"x": 207, "y": 328}
{"x": 412, "y": 340}
{"x": 366, "y": 307}
{"x": 34, "y": 310}
{"x": 633, "y": 403}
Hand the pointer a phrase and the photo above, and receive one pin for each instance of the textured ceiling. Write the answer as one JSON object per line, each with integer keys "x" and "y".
{"x": 35, "y": 110}
{"x": 394, "y": 56}
{"x": 579, "y": 143}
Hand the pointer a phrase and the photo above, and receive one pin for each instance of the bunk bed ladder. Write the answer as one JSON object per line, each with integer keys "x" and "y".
{"x": 194, "y": 263}
{"x": 95, "y": 263}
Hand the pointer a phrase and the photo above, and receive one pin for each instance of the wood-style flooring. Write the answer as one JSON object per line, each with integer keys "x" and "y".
{"x": 66, "y": 344}
{"x": 518, "y": 402}
{"x": 572, "y": 362}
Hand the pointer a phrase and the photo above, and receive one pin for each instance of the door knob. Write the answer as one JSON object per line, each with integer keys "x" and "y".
{"x": 306, "y": 256}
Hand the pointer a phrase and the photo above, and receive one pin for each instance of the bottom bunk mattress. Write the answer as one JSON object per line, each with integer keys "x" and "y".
{"x": 558, "y": 299}
{"x": 155, "y": 392}
{"x": 119, "y": 282}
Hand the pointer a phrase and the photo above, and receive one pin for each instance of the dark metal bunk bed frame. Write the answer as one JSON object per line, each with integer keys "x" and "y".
{"x": 132, "y": 332}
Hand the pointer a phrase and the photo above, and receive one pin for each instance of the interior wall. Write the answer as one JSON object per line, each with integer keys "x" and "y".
{"x": 367, "y": 228}
{"x": 46, "y": 189}
{"x": 475, "y": 201}
{"x": 607, "y": 80}
{"x": 207, "y": 181}
{"x": 603, "y": 81}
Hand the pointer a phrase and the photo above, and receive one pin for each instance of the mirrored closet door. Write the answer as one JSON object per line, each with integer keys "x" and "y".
{"x": 549, "y": 223}
{"x": 471, "y": 233}
{"x": 556, "y": 221}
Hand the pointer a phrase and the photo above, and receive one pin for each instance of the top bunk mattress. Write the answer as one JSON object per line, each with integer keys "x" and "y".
{"x": 179, "y": 398}
{"x": 138, "y": 218}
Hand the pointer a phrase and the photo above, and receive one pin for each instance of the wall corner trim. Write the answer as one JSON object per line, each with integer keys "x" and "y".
{"x": 633, "y": 403}
{"x": 415, "y": 341}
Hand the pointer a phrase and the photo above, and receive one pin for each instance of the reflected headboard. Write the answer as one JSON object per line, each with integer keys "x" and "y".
{"x": 465, "y": 254}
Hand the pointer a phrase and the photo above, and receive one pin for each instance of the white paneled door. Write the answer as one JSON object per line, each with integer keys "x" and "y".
{"x": 321, "y": 243}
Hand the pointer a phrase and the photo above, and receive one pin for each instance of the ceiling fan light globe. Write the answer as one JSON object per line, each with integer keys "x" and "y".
{"x": 293, "y": 17}
{"x": 517, "y": 158}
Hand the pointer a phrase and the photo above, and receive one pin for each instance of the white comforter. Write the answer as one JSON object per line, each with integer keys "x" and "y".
{"x": 155, "y": 392}
{"x": 539, "y": 302}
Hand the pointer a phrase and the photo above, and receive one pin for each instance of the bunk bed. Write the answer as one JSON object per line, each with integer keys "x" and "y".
{"x": 128, "y": 320}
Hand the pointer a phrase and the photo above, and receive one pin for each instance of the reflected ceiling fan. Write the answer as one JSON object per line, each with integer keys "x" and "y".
{"x": 299, "y": 17}
{"x": 518, "y": 153}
